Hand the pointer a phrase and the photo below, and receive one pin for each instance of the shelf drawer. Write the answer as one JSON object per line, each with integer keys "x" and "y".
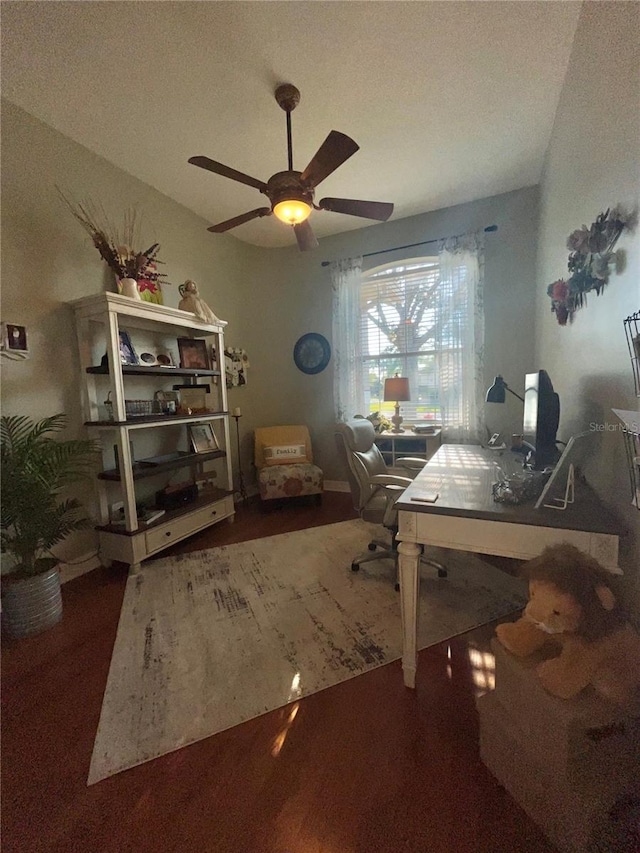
{"x": 185, "y": 525}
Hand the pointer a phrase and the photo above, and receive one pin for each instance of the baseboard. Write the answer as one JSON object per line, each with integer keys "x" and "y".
{"x": 69, "y": 571}
{"x": 336, "y": 486}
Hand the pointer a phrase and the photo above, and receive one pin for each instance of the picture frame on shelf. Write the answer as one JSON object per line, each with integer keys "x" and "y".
{"x": 193, "y": 398}
{"x": 193, "y": 353}
{"x": 128, "y": 354}
{"x": 168, "y": 401}
{"x": 203, "y": 438}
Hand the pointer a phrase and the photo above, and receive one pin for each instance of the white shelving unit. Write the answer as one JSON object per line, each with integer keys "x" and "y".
{"x": 396, "y": 444}
{"x": 160, "y": 441}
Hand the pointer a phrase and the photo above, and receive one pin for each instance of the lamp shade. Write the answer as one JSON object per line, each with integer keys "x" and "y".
{"x": 496, "y": 394}
{"x": 293, "y": 211}
{"x": 396, "y": 389}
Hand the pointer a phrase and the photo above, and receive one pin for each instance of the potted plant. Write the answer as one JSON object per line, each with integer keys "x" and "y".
{"x": 34, "y": 516}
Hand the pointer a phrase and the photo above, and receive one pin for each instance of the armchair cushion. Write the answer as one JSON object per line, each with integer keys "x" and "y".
{"x": 289, "y": 481}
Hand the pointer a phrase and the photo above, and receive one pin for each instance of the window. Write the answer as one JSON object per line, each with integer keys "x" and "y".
{"x": 422, "y": 318}
{"x": 400, "y": 334}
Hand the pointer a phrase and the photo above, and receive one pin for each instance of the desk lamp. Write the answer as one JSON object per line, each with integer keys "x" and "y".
{"x": 396, "y": 390}
{"x": 496, "y": 394}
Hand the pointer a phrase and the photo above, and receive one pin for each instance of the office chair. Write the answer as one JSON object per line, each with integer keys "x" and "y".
{"x": 375, "y": 488}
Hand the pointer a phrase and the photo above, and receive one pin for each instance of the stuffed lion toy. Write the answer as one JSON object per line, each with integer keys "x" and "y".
{"x": 571, "y": 603}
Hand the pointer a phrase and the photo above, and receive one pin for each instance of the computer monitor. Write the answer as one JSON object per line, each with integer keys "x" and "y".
{"x": 541, "y": 419}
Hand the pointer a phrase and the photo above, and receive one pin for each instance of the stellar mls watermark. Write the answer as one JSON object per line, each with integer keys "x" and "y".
{"x": 606, "y": 426}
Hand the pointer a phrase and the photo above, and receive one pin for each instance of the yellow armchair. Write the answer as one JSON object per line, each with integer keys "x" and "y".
{"x": 284, "y": 461}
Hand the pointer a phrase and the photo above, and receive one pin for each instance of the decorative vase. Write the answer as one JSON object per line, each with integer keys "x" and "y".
{"x": 32, "y": 604}
{"x": 150, "y": 291}
{"x": 129, "y": 287}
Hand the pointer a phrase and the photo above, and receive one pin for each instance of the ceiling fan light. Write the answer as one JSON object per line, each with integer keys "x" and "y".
{"x": 292, "y": 211}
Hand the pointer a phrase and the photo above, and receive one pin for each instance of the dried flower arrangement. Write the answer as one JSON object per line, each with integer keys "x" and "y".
{"x": 589, "y": 263}
{"x": 117, "y": 247}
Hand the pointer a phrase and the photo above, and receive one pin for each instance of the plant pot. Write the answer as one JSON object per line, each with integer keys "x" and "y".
{"x": 30, "y": 605}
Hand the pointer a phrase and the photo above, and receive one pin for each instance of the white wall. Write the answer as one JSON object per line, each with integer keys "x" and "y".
{"x": 593, "y": 163}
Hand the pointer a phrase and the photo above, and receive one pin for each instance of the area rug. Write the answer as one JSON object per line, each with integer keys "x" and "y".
{"x": 210, "y": 639}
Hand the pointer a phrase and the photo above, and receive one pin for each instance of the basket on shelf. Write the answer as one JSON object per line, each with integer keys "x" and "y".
{"x": 134, "y": 408}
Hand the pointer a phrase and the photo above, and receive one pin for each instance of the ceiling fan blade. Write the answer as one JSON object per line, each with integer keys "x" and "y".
{"x": 239, "y": 220}
{"x": 333, "y": 152}
{"x": 380, "y": 210}
{"x": 305, "y": 236}
{"x": 227, "y": 172}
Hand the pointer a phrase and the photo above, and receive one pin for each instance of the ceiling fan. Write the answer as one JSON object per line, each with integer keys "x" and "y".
{"x": 291, "y": 193}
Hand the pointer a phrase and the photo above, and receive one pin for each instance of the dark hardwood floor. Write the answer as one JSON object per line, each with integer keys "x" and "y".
{"x": 366, "y": 766}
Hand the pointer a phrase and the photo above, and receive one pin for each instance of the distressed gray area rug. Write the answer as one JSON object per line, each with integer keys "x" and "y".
{"x": 210, "y": 639}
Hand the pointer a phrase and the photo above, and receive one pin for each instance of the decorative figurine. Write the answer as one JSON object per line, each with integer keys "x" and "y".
{"x": 193, "y": 302}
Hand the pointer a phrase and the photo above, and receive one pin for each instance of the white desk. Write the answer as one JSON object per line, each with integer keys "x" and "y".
{"x": 466, "y": 518}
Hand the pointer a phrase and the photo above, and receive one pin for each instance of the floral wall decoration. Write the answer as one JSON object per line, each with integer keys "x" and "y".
{"x": 590, "y": 262}
{"x": 236, "y": 365}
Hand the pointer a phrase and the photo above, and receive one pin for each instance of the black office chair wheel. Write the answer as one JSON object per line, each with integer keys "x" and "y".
{"x": 442, "y": 573}
{"x": 372, "y": 546}
{"x": 355, "y": 567}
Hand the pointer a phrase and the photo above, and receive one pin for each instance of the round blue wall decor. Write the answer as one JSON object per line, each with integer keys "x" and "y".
{"x": 312, "y": 353}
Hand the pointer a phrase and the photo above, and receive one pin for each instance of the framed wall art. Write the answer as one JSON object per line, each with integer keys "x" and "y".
{"x": 14, "y": 338}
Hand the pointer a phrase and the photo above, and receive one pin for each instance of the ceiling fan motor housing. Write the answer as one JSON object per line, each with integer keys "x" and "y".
{"x": 287, "y": 96}
{"x": 284, "y": 186}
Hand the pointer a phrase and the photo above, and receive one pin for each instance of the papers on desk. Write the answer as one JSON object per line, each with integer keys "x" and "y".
{"x": 427, "y": 487}
{"x": 427, "y": 498}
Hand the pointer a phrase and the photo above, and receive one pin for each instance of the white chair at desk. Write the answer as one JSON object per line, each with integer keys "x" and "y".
{"x": 375, "y": 488}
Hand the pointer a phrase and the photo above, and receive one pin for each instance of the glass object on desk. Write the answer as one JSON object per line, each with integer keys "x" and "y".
{"x": 520, "y": 487}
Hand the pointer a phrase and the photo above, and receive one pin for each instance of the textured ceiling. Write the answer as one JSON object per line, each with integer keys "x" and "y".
{"x": 449, "y": 101}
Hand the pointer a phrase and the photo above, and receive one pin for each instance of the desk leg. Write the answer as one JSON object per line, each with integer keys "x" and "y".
{"x": 408, "y": 562}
